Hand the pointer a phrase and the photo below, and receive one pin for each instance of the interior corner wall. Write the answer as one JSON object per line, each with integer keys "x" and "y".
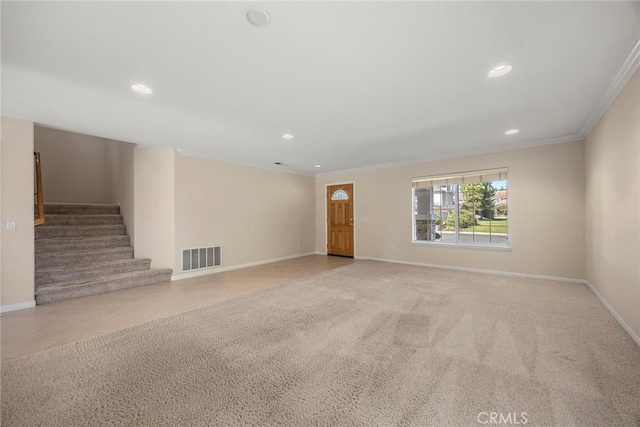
{"x": 255, "y": 214}
{"x": 121, "y": 181}
{"x": 17, "y": 247}
{"x": 155, "y": 205}
{"x": 546, "y": 212}
{"x": 74, "y": 166}
{"x": 612, "y": 159}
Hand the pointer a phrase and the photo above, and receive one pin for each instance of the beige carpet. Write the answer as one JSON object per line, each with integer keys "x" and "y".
{"x": 366, "y": 344}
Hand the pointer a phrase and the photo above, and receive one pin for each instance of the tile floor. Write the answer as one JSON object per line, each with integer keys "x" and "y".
{"x": 32, "y": 330}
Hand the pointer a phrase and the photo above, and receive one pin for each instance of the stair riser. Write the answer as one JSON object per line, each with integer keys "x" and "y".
{"x": 74, "y": 259}
{"x": 82, "y": 291}
{"x": 46, "y": 246}
{"x": 81, "y": 210}
{"x": 83, "y": 220}
{"x": 84, "y": 231}
{"x": 84, "y": 250}
{"x": 86, "y": 272}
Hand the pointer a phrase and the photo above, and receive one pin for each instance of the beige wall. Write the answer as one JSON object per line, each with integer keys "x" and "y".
{"x": 155, "y": 204}
{"x": 612, "y": 154}
{"x": 546, "y": 212}
{"x": 81, "y": 168}
{"x": 254, "y": 214}
{"x": 74, "y": 166}
{"x": 121, "y": 181}
{"x": 17, "y": 259}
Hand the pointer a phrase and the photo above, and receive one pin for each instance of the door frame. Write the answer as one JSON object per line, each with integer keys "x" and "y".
{"x": 326, "y": 230}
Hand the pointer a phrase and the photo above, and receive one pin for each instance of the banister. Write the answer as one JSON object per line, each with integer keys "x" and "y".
{"x": 39, "y": 219}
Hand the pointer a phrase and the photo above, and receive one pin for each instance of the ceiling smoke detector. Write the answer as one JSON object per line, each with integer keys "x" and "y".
{"x": 258, "y": 17}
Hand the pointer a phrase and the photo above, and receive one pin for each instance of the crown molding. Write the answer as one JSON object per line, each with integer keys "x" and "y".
{"x": 628, "y": 69}
{"x": 530, "y": 144}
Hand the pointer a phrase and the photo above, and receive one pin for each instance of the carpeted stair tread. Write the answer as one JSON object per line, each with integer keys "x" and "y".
{"x": 54, "y": 231}
{"x": 81, "y": 208}
{"x": 55, "y": 274}
{"x": 64, "y": 244}
{"x": 78, "y": 283}
{"x": 74, "y": 289}
{"x": 75, "y": 219}
{"x": 75, "y": 258}
{"x": 83, "y": 249}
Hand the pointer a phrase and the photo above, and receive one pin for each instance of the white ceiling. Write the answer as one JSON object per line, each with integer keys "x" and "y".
{"x": 357, "y": 84}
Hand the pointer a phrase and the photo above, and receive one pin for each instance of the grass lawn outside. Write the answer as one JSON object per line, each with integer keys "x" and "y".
{"x": 498, "y": 226}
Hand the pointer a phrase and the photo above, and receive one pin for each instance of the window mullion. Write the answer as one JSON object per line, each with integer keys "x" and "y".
{"x": 457, "y": 213}
{"x": 464, "y": 197}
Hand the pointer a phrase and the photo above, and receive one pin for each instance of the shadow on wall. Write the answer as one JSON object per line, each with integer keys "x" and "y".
{"x": 80, "y": 168}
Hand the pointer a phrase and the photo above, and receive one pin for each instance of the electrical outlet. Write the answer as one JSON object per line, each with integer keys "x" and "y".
{"x": 394, "y": 248}
{"x": 230, "y": 253}
{"x": 11, "y": 226}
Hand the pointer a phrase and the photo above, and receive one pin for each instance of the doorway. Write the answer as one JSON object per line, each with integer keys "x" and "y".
{"x": 340, "y": 220}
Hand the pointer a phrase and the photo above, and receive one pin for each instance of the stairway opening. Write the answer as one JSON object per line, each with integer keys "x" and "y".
{"x": 84, "y": 249}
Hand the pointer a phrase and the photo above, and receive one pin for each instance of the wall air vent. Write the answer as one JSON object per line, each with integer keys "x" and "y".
{"x": 199, "y": 258}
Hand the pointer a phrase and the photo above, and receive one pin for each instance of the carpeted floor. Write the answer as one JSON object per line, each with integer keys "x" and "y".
{"x": 367, "y": 344}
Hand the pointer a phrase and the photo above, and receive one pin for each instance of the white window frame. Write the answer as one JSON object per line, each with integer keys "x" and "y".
{"x": 457, "y": 179}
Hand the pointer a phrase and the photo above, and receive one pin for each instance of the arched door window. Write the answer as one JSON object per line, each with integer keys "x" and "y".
{"x": 339, "y": 195}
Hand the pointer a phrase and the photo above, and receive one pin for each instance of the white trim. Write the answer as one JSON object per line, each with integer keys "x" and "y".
{"x": 235, "y": 267}
{"x": 480, "y": 270}
{"x": 536, "y": 143}
{"x": 355, "y": 217}
{"x": 457, "y": 232}
{"x": 321, "y": 253}
{"x": 464, "y": 174}
{"x": 613, "y": 313}
{"x": 462, "y": 245}
{"x": 17, "y": 306}
{"x": 604, "y": 302}
{"x": 628, "y": 69}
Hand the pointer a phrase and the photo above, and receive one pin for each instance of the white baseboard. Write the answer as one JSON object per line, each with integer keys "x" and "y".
{"x": 235, "y": 267}
{"x": 613, "y": 313}
{"x": 17, "y": 306}
{"x": 523, "y": 275}
{"x": 320, "y": 253}
{"x": 480, "y": 270}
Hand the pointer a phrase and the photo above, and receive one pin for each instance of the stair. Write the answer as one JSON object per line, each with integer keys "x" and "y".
{"x": 83, "y": 249}
{"x": 52, "y": 231}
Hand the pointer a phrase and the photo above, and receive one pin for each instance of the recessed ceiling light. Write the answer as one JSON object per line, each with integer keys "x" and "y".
{"x": 500, "y": 70}
{"x": 318, "y": 166}
{"x": 511, "y": 132}
{"x": 287, "y": 136}
{"x": 258, "y": 17}
{"x": 140, "y": 88}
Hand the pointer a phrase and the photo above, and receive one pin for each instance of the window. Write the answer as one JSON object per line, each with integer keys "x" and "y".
{"x": 465, "y": 208}
{"x": 339, "y": 195}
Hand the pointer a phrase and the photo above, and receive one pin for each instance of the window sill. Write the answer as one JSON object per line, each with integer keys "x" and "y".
{"x": 464, "y": 246}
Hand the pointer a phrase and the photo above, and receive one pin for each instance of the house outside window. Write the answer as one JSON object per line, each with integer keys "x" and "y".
{"x": 467, "y": 208}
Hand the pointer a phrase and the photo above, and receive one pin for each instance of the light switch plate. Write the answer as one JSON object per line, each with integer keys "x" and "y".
{"x": 11, "y": 226}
